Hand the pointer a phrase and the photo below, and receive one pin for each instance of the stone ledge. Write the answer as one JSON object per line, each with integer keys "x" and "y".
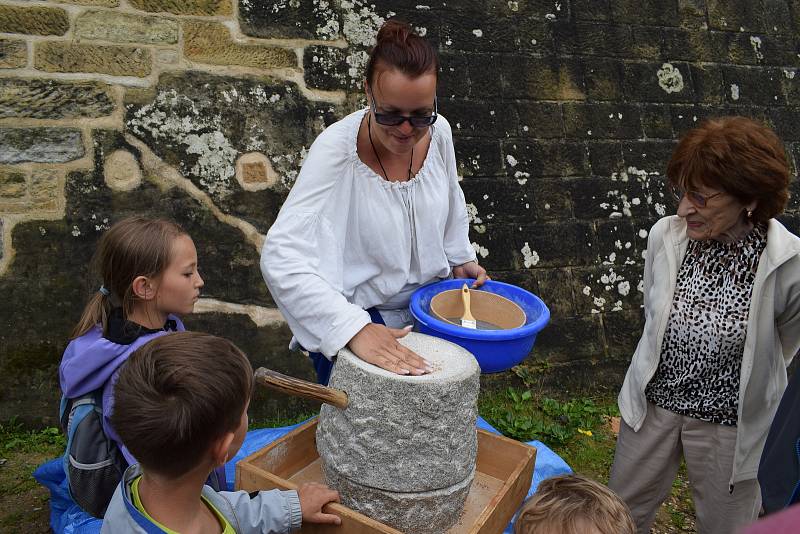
{"x": 126, "y": 28}
{"x": 103, "y": 59}
{"x": 210, "y": 42}
{"x": 13, "y": 54}
{"x": 184, "y": 7}
{"x": 34, "y": 20}
{"x": 48, "y": 99}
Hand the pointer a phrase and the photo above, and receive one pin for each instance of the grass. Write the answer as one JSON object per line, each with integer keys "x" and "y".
{"x": 24, "y": 503}
{"x": 578, "y": 429}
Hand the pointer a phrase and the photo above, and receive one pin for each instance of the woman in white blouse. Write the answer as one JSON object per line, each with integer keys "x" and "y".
{"x": 375, "y": 213}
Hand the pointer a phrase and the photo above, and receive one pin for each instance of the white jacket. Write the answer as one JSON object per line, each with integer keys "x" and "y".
{"x": 772, "y": 339}
{"x": 346, "y": 240}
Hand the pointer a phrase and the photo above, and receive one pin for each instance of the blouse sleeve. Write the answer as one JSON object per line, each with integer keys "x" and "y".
{"x": 457, "y": 246}
{"x": 302, "y": 257}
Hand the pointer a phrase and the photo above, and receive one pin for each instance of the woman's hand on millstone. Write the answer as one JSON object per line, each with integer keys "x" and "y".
{"x": 471, "y": 269}
{"x": 313, "y": 496}
{"x": 378, "y": 345}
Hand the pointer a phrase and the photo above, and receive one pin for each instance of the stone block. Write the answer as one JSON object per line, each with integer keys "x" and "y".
{"x": 499, "y": 199}
{"x": 695, "y": 45}
{"x": 543, "y": 251}
{"x": 121, "y": 171}
{"x": 597, "y": 39}
{"x": 47, "y": 189}
{"x": 545, "y": 158}
{"x": 708, "y": 84}
{"x": 568, "y": 339}
{"x": 104, "y": 59}
{"x": 13, "y": 54}
{"x": 34, "y": 20}
{"x": 623, "y": 329}
{"x": 658, "y": 82}
{"x": 210, "y": 42}
{"x": 369, "y": 441}
{"x": 769, "y": 17}
{"x": 647, "y": 157}
{"x": 692, "y": 14}
{"x": 485, "y": 76}
{"x": 591, "y": 10}
{"x": 656, "y": 121}
{"x": 651, "y": 12}
{"x": 125, "y": 28}
{"x": 184, "y": 7}
{"x": 101, "y": 3}
{"x": 605, "y": 157}
{"x": 608, "y": 288}
{"x": 454, "y": 80}
{"x": 786, "y": 123}
{"x": 542, "y": 78}
{"x": 540, "y": 120}
{"x": 479, "y": 119}
{"x": 13, "y": 184}
{"x": 556, "y": 289}
{"x": 327, "y": 67}
{"x": 294, "y": 20}
{"x": 40, "y": 145}
{"x": 429, "y": 512}
{"x": 615, "y": 121}
{"x": 552, "y": 199}
{"x": 604, "y": 79}
{"x": 684, "y": 118}
{"x": 48, "y": 99}
{"x": 478, "y": 156}
{"x": 753, "y": 85}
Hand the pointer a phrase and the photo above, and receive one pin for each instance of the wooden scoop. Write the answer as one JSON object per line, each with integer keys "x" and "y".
{"x": 302, "y": 388}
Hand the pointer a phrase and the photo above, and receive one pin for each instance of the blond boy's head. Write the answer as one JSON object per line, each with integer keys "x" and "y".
{"x": 572, "y": 504}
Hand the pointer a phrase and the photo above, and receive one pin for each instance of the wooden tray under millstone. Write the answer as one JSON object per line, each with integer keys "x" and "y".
{"x": 502, "y": 479}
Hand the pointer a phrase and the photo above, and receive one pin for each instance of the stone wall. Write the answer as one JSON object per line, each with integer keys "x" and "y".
{"x": 564, "y": 113}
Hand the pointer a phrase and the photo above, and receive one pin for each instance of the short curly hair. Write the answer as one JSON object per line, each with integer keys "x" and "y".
{"x": 569, "y": 503}
{"x": 738, "y": 155}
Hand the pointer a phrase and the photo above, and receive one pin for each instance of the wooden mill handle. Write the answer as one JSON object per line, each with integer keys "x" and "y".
{"x": 303, "y": 388}
{"x": 465, "y": 298}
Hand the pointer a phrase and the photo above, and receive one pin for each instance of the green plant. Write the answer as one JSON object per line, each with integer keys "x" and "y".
{"x": 519, "y": 415}
{"x": 14, "y": 437}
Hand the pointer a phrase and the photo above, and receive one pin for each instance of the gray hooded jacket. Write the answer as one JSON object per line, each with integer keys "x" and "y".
{"x": 269, "y": 512}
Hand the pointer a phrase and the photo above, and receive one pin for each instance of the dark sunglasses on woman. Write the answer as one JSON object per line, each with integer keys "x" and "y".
{"x": 394, "y": 119}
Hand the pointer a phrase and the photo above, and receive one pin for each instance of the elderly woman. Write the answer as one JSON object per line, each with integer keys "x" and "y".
{"x": 722, "y": 322}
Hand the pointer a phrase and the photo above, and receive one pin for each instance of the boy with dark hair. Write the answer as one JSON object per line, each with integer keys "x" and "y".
{"x": 181, "y": 409}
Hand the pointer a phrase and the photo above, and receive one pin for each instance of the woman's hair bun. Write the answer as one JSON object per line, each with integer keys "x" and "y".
{"x": 398, "y": 47}
{"x": 394, "y": 31}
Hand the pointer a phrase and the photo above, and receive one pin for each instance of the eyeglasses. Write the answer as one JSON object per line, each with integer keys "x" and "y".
{"x": 394, "y": 119}
{"x": 698, "y": 199}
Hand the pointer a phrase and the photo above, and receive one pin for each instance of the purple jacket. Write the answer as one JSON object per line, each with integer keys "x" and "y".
{"x": 91, "y": 362}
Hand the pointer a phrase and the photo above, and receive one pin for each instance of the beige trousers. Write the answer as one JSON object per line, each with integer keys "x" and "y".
{"x": 646, "y": 462}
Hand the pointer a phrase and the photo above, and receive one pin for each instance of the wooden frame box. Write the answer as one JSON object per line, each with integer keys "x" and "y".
{"x": 502, "y": 479}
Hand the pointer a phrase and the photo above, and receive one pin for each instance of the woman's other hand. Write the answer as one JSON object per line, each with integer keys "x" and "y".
{"x": 378, "y": 345}
{"x": 471, "y": 269}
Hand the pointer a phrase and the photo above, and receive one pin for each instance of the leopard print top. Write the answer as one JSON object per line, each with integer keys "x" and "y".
{"x": 701, "y": 355}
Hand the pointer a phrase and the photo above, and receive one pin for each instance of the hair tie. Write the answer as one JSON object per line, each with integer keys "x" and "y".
{"x": 104, "y": 291}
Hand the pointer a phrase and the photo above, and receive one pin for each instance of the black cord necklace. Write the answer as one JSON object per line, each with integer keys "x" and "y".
{"x": 385, "y": 174}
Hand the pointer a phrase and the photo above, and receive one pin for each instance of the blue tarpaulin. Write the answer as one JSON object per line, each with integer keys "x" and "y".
{"x": 68, "y": 518}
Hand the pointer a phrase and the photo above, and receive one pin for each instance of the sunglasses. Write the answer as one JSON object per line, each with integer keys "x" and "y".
{"x": 394, "y": 119}
{"x": 698, "y": 199}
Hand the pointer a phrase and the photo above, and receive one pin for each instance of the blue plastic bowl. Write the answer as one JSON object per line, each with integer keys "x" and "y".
{"x": 495, "y": 350}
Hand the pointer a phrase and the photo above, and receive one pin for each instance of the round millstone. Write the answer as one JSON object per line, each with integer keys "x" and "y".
{"x": 404, "y": 433}
{"x": 429, "y": 512}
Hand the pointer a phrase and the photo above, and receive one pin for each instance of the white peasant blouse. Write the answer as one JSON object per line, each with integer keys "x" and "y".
{"x": 347, "y": 240}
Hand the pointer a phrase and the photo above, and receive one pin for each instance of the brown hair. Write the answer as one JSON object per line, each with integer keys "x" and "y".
{"x": 738, "y": 155}
{"x": 398, "y": 47}
{"x": 133, "y": 247}
{"x": 567, "y": 503}
{"x": 176, "y": 395}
